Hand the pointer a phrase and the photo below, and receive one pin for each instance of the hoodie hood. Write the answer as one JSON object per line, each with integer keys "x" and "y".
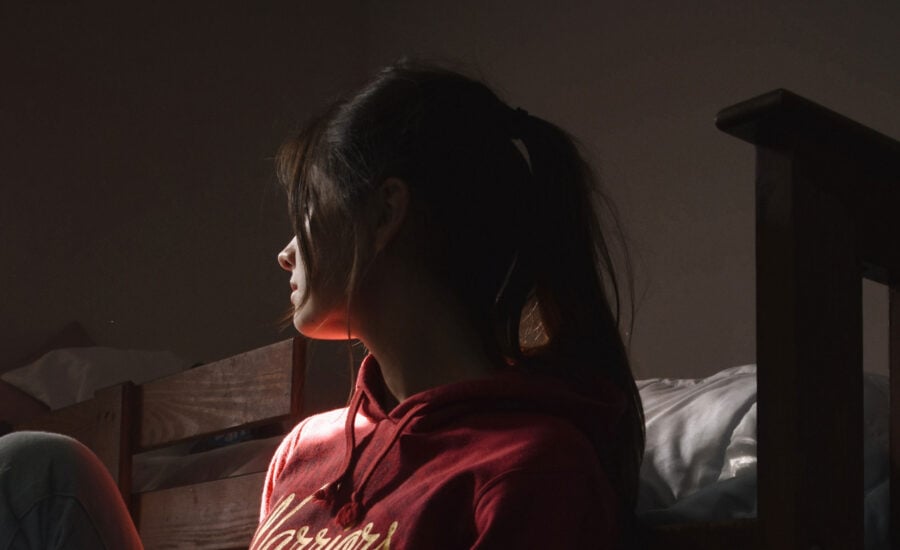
{"x": 594, "y": 410}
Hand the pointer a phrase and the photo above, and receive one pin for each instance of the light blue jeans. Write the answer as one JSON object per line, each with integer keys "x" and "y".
{"x": 56, "y": 494}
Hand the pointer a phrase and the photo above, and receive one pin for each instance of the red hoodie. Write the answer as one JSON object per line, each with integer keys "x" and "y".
{"x": 502, "y": 462}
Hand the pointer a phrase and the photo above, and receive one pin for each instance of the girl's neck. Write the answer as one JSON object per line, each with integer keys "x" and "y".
{"x": 420, "y": 337}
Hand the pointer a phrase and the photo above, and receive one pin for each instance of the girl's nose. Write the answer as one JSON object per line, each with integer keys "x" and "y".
{"x": 288, "y": 256}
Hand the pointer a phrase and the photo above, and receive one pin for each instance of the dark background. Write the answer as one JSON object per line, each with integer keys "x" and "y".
{"x": 137, "y": 189}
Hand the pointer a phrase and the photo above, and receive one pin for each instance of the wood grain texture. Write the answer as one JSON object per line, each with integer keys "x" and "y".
{"x": 244, "y": 390}
{"x": 261, "y": 386}
{"x": 216, "y": 515}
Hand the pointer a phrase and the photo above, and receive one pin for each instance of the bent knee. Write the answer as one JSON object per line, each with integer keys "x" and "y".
{"x": 54, "y": 488}
{"x": 28, "y": 443}
{"x": 48, "y": 455}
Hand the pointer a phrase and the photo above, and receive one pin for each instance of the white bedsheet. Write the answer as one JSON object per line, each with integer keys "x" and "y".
{"x": 700, "y": 460}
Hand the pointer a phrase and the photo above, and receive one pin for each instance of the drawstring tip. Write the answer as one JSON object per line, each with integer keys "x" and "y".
{"x": 348, "y": 515}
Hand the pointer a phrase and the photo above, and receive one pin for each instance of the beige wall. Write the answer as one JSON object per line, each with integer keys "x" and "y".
{"x": 135, "y": 162}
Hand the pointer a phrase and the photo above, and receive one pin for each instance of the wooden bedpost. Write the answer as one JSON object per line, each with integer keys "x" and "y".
{"x": 828, "y": 194}
{"x": 809, "y": 351}
{"x": 894, "y": 365}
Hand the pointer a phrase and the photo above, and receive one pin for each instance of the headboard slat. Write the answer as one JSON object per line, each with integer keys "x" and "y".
{"x": 245, "y": 390}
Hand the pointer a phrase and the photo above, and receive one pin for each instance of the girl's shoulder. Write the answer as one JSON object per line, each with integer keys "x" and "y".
{"x": 319, "y": 429}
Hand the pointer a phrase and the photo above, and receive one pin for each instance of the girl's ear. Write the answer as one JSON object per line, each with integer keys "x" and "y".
{"x": 391, "y": 204}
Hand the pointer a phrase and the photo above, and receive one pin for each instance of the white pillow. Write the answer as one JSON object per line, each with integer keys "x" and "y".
{"x": 699, "y": 431}
{"x": 66, "y": 376}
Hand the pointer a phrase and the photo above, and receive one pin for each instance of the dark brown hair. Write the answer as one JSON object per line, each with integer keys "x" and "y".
{"x": 513, "y": 232}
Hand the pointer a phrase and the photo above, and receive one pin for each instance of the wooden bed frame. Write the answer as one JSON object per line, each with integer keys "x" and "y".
{"x": 262, "y": 387}
{"x": 828, "y": 214}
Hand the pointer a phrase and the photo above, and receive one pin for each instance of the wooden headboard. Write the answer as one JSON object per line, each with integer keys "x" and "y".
{"x": 260, "y": 387}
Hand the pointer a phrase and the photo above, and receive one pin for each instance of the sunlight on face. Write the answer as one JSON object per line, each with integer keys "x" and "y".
{"x": 323, "y": 315}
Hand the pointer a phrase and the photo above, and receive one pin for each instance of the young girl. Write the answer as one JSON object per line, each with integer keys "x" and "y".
{"x": 456, "y": 237}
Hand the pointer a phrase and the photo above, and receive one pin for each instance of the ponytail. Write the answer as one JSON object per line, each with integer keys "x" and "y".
{"x": 560, "y": 270}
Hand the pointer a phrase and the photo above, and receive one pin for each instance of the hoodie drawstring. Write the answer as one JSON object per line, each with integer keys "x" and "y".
{"x": 328, "y": 493}
{"x": 351, "y": 512}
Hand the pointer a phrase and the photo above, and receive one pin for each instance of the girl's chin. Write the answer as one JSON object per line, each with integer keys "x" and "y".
{"x": 320, "y": 329}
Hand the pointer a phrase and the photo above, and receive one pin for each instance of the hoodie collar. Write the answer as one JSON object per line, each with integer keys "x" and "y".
{"x": 595, "y": 408}
{"x": 595, "y": 412}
